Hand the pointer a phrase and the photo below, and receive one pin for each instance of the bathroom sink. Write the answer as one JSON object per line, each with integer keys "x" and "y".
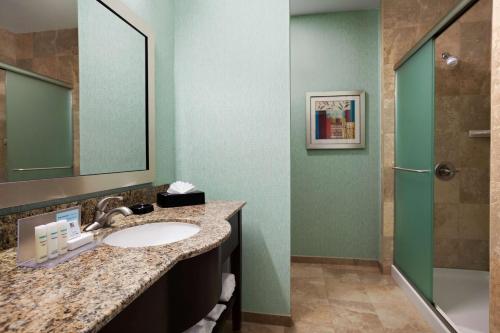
{"x": 152, "y": 234}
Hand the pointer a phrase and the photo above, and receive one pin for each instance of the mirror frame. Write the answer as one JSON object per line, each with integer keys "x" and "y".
{"x": 14, "y": 194}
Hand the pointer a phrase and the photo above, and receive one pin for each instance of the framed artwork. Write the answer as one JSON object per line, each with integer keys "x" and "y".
{"x": 335, "y": 120}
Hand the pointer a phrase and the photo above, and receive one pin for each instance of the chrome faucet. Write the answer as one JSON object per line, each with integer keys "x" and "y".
{"x": 102, "y": 218}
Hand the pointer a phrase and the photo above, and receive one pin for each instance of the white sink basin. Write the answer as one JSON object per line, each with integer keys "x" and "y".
{"x": 152, "y": 234}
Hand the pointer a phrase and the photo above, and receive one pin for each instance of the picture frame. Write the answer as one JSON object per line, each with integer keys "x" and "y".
{"x": 335, "y": 120}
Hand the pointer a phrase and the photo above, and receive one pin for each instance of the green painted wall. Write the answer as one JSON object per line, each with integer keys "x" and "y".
{"x": 335, "y": 193}
{"x": 159, "y": 14}
{"x": 233, "y": 128}
{"x": 112, "y": 100}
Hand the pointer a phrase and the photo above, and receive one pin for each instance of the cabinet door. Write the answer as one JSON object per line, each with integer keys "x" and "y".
{"x": 414, "y": 194}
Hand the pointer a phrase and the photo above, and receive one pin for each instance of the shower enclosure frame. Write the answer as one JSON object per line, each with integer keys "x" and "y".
{"x": 438, "y": 321}
{"x": 437, "y": 29}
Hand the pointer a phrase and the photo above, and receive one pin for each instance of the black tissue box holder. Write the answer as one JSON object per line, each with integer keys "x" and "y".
{"x": 167, "y": 200}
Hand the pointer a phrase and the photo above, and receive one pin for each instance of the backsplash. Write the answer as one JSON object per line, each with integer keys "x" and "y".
{"x": 131, "y": 196}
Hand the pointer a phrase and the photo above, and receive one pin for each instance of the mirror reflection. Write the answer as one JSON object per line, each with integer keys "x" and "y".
{"x": 62, "y": 99}
{"x": 38, "y": 90}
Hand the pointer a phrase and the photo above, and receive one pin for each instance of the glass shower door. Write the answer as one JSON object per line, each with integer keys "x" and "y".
{"x": 39, "y": 129}
{"x": 414, "y": 193}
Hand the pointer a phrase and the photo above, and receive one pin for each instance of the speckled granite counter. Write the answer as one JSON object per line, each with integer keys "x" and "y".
{"x": 85, "y": 293}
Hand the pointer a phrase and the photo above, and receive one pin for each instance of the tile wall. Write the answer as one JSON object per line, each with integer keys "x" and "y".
{"x": 495, "y": 174}
{"x": 404, "y": 22}
{"x": 461, "y": 223}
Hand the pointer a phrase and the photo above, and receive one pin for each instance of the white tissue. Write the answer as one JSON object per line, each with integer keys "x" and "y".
{"x": 228, "y": 286}
{"x": 216, "y": 312}
{"x": 203, "y": 326}
{"x": 181, "y": 188}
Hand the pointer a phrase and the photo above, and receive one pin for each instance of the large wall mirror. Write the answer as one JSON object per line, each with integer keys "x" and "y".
{"x": 76, "y": 99}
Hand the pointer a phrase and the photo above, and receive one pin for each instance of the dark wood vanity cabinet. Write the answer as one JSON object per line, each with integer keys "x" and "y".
{"x": 187, "y": 293}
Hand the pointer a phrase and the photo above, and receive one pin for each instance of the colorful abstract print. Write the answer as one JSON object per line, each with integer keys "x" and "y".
{"x": 335, "y": 119}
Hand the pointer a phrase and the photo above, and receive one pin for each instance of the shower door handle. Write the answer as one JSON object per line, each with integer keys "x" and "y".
{"x": 445, "y": 170}
{"x": 411, "y": 170}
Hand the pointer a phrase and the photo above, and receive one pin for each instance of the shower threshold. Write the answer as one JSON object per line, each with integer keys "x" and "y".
{"x": 462, "y": 297}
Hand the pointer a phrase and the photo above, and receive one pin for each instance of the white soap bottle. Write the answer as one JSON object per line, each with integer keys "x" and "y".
{"x": 62, "y": 240}
{"x": 41, "y": 243}
{"x": 52, "y": 235}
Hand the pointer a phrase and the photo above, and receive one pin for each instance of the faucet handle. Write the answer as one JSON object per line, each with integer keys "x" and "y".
{"x": 101, "y": 205}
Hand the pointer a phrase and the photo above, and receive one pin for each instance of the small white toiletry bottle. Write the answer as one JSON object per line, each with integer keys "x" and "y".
{"x": 62, "y": 240}
{"x": 52, "y": 235}
{"x": 83, "y": 239}
{"x": 41, "y": 243}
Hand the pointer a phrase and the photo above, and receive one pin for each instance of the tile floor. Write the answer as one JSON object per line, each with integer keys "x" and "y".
{"x": 335, "y": 298}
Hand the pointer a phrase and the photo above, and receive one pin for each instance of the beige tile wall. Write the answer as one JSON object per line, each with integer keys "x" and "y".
{"x": 404, "y": 22}
{"x": 50, "y": 53}
{"x": 7, "y": 47}
{"x": 461, "y": 224}
{"x": 495, "y": 174}
{"x": 394, "y": 46}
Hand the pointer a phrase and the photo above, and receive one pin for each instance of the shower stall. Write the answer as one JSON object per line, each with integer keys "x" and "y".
{"x": 442, "y": 163}
{"x": 462, "y": 145}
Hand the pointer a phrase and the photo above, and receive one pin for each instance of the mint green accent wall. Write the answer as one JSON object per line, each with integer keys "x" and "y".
{"x": 233, "y": 128}
{"x": 159, "y": 14}
{"x": 112, "y": 60}
{"x": 335, "y": 193}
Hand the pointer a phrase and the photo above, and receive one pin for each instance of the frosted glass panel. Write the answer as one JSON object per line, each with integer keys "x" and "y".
{"x": 39, "y": 130}
{"x": 112, "y": 92}
{"x": 414, "y": 192}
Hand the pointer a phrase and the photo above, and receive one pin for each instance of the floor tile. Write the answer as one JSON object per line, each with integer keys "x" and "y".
{"x": 341, "y": 275}
{"x": 375, "y": 278}
{"x": 319, "y": 312}
{"x": 346, "y": 299}
{"x": 400, "y": 317}
{"x": 308, "y": 289}
{"x": 389, "y": 293}
{"x": 357, "y": 315}
{"x": 301, "y": 327}
{"x": 345, "y": 291}
{"x": 306, "y": 270}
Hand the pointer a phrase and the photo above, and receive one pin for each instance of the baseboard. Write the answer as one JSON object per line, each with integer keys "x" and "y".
{"x": 335, "y": 261}
{"x": 268, "y": 319}
{"x": 385, "y": 268}
{"x": 425, "y": 309}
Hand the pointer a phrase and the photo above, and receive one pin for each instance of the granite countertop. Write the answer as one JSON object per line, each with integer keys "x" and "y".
{"x": 85, "y": 293}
